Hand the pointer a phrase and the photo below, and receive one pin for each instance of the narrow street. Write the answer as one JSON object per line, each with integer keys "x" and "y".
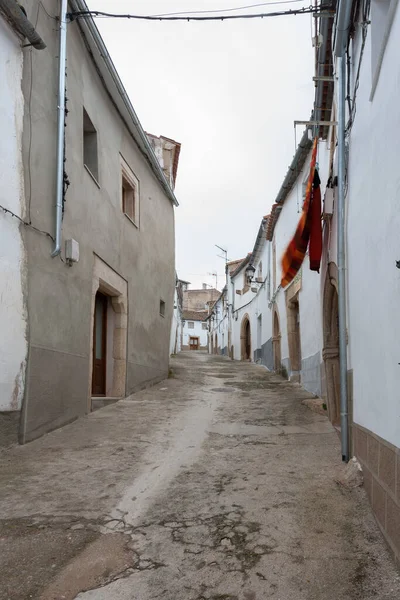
{"x": 216, "y": 484}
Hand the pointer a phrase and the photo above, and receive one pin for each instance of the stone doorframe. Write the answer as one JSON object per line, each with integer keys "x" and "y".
{"x": 245, "y": 320}
{"x": 330, "y": 352}
{"x": 107, "y": 281}
{"x": 294, "y": 341}
{"x": 276, "y": 341}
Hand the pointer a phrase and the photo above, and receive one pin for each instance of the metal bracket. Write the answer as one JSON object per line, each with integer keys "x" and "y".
{"x": 324, "y": 123}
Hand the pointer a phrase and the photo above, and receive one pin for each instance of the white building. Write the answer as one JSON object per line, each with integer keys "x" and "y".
{"x": 194, "y": 330}
{"x": 13, "y": 343}
{"x": 298, "y": 329}
{"x": 175, "y": 345}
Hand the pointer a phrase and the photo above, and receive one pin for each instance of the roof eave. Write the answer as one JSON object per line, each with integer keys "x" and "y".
{"x": 113, "y": 85}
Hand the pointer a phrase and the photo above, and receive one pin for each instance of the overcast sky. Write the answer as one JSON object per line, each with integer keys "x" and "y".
{"x": 229, "y": 92}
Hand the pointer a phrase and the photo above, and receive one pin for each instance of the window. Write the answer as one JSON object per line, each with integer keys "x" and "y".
{"x": 204, "y": 326}
{"x": 190, "y": 324}
{"x": 260, "y": 275}
{"x": 90, "y": 146}
{"x": 162, "y": 308}
{"x": 129, "y": 193}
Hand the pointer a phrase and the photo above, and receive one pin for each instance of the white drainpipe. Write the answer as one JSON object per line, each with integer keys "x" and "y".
{"x": 342, "y": 36}
{"x": 62, "y": 53}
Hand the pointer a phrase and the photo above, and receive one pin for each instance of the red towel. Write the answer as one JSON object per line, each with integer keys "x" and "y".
{"x": 297, "y": 248}
{"x": 315, "y": 245}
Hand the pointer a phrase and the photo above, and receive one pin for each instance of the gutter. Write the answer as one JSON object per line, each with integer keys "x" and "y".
{"x": 324, "y": 28}
{"x": 92, "y": 36}
{"x": 17, "y": 17}
{"x": 295, "y": 167}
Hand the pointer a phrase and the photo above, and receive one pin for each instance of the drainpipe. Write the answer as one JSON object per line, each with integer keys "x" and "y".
{"x": 269, "y": 271}
{"x": 17, "y": 17}
{"x": 62, "y": 53}
{"x": 342, "y": 34}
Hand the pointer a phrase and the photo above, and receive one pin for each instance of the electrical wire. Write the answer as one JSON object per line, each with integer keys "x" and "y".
{"x": 10, "y": 212}
{"x": 96, "y": 13}
{"x": 224, "y": 10}
{"x": 352, "y": 103}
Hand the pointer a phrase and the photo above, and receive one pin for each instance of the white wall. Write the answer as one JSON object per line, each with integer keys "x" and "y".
{"x": 312, "y": 283}
{"x": 198, "y": 331}
{"x": 13, "y": 346}
{"x": 176, "y": 327}
{"x": 252, "y": 304}
{"x": 219, "y": 326}
{"x": 373, "y": 223}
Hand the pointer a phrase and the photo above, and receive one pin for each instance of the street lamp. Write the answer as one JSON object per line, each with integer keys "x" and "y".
{"x": 250, "y": 273}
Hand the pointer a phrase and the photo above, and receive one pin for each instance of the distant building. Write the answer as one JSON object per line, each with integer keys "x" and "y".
{"x": 176, "y": 325}
{"x": 167, "y": 152}
{"x": 194, "y": 330}
{"x": 199, "y": 299}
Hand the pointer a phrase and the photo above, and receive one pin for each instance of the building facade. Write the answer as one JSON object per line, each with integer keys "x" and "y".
{"x": 199, "y": 299}
{"x": 175, "y": 345}
{"x": 92, "y": 307}
{"x": 294, "y": 327}
{"x": 13, "y": 315}
{"x": 194, "y": 330}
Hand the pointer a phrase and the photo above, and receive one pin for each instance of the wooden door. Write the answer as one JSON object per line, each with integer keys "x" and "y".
{"x": 99, "y": 345}
{"x": 248, "y": 341}
{"x": 194, "y": 343}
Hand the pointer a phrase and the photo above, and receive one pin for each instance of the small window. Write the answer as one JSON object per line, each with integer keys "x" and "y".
{"x": 204, "y": 326}
{"x": 162, "y": 308}
{"x": 190, "y": 324}
{"x": 90, "y": 159}
{"x": 129, "y": 193}
{"x": 128, "y": 199}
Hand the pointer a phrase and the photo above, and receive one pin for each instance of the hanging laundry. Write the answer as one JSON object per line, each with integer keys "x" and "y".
{"x": 297, "y": 248}
{"x": 315, "y": 245}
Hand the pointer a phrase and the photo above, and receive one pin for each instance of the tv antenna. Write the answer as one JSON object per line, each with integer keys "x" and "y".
{"x": 215, "y": 274}
{"x": 225, "y": 253}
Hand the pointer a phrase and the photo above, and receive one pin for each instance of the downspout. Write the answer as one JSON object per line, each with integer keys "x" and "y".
{"x": 269, "y": 272}
{"x": 342, "y": 35}
{"x": 62, "y": 54}
{"x": 17, "y": 17}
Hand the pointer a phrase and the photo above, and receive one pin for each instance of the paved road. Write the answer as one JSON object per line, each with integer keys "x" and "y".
{"x": 217, "y": 484}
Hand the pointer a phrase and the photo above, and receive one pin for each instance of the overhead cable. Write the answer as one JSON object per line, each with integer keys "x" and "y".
{"x": 97, "y": 13}
{"x": 224, "y": 10}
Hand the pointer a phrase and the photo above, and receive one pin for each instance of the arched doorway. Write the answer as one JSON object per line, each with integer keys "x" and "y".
{"x": 331, "y": 345}
{"x": 294, "y": 339}
{"x": 245, "y": 339}
{"x": 276, "y": 344}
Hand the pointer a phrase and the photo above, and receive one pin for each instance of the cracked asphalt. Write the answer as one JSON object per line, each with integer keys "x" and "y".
{"x": 217, "y": 484}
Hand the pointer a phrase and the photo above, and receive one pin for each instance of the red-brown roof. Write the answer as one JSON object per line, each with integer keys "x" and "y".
{"x": 193, "y": 315}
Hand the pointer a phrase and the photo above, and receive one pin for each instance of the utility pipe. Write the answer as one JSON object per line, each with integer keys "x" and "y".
{"x": 62, "y": 54}
{"x": 342, "y": 36}
{"x": 344, "y": 422}
{"x": 16, "y": 15}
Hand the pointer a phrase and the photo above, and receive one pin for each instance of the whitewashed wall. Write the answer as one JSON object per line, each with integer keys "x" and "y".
{"x": 13, "y": 347}
{"x": 219, "y": 327}
{"x": 373, "y": 241}
{"x": 198, "y": 331}
{"x": 254, "y": 305}
{"x": 311, "y": 292}
{"x": 176, "y": 328}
